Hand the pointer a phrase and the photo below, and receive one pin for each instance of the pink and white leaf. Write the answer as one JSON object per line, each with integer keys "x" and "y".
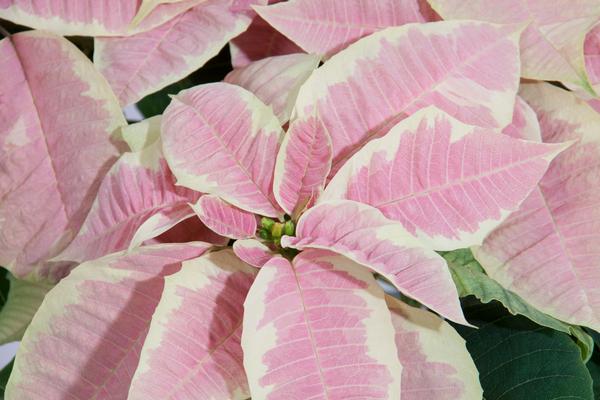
{"x": 384, "y": 72}
{"x": 318, "y": 329}
{"x": 143, "y": 63}
{"x": 86, "y": 339}
{"x": 362, "y": 234}
{"x": 54, "y": 148}
{"x": 547, "y": 250}
{"x": 327, "y": 26}
{"x": 436, "y": 363}
{"x": 138, "y": 200}
{"x": 259, "y": 41}
{"x": 303, "y": 163}
{"x": 276, "y": 80}
{"x": 225, "y": 219}
{"x": 552, "y": 46}
{"x": 71, "y": 17}
{"x": 525, "y": 124}
{"x": 221, "y": 139}
{"x": 253, "y": 252}
{"x": 97, "y": 18}
{"x": 591, "y": 51}
{"x": 448, "y": 183}
{"x": 147, "y": 6}
{"x": 193, "y": 350}
{"x": 161, "y": 14}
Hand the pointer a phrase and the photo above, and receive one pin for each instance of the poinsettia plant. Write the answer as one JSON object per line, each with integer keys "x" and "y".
{"x": 238, "y": 245}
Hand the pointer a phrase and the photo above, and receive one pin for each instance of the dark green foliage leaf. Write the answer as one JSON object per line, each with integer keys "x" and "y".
{"x": 593, "y": 364}
{"x": 213, "y": 71}
{"x": 85, "y": 44}
{"x": 594, "y": 367}
{"x": 155, "y": 103}
{"x": 520, "y": 360}
{"x": 595, "y": 336}
{"x": 471, "y": 279}
{"x": 19, "y": 300}
{"x": 4, "y": 286}
{"x": 11, "y": 27}
{"x": 4, "y": 375}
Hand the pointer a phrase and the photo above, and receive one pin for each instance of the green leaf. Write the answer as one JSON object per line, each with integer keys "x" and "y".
{"x": 471, "y": 279}
{"x": 520, "y": 360}
{"x": 594, "y": 368}
{"x": 19, "y": 301}
{"x": 4, "y": 286}
{"x": 4, "y": 375}
{"x": 593, "y": 364}
{"x": 595, "y": 336}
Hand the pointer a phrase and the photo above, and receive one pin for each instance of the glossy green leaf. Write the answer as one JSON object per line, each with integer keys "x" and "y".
{"x": 470, "y": 279}
{"x": 19, "y": 300}
{"x": 593, "y": 367}
{"x": 593, "y": 364}
{"x": 595, "y": 336}
{"x": 4, "y": 375}
{"x": 4, "y": 286}
{"x": 520, "y": 360}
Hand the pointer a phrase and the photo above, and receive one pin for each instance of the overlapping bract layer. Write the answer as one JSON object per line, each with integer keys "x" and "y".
{"x": 446, "y": 182}
{"x": 137, "y": 201}
{"x": 86, "y": 339}
{"x": 327, "y": 26}
{"x": 547, "y": 251}
{"x": 91, "y": 17}
{"x": 275, "y": 80}
{"x": 552, "y": 46}
{"x": 362, "y": 234}
{"x": 192, "y": 350}
{"x": 410, "y": 119}
{"x": 211, "y": 152}
{"x": 364, "y": 90}
{"x": 143, "y": 63}
{"x": 68, "y": 17}
{"x": 141, "y": 46}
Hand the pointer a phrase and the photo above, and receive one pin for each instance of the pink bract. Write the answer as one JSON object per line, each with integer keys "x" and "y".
{"x": 327, "y": 26}
{"x": 54, "y": 149}
{"x": 318, "y": 328}
{"x": 225, "y": 219}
